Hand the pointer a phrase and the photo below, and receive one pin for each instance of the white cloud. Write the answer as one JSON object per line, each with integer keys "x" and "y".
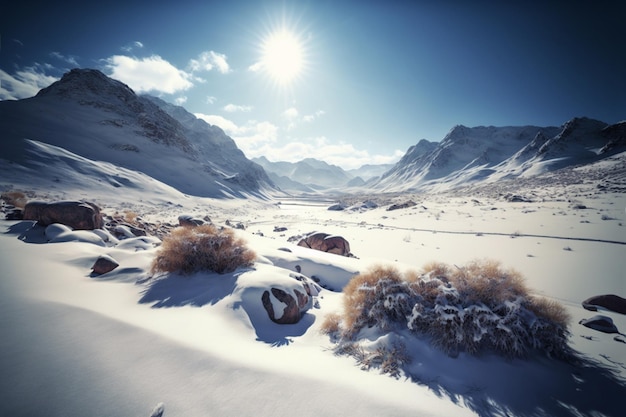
{"x": 257, "y": 66}
{"x": 310, "y": 117}
{"x": 132, "y": 45}
{"x": 148, "y": 74}
{"x": 211, "y": 99}
{"x": 208, "y": 60}
{"x": 291, "y": 113}
{"x": 69, "y": 59}
{"x": 24, "y": 83}
{"x": 180, "y": 100}
{"x": 257, "y": 139}
{"x": 341, "y": 154}
{"x": 226, "y": 125}
{"x": 231, "y": 108}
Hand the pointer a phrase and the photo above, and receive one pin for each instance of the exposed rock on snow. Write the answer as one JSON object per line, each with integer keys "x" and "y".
{"x": 404, "y": 205}
{"x": 326, "y": 243}
{"x": 600, "y": 323}
{"x": 104, "y": 264}
{"x": 609, "y": 301}
{"x": 75, "y": 214}
{"x": 188, "y": 220}
{"x": 295, "y": 305}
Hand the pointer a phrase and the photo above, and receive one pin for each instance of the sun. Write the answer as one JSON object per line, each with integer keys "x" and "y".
{"x": 282, "y": 56}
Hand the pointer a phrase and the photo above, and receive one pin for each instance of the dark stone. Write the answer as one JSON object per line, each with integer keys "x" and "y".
{"x": 76, "y": 214}
{"x": 189, "y": 221}
{"x": 600, "y": 323}
{"x": 399, "y": 206}
{"x": 291, "y": 314}
{"x": 609, "y": 301}
{"x": 104, "y": 264}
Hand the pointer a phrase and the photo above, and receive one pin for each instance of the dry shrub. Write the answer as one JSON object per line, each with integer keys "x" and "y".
{"x": 331, "y": 324}
{"x": 130, "y": 216}
{"x": 369, "y": 295}
{"x": 480, "y": 307}
{"x": 549, "y": 310}
{"x": 436, "y": 270}
{"x": 15, "y": 198}
{"x": 202, "y": 248}
{"x": 486, "y": 282}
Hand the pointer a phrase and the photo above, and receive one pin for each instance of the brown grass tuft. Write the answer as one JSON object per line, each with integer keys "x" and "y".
{"x": 436, "y": 270}
{"x": 487, "y": 282}
{"x": 331, "y": 324}
{"x": 15, "y": 198}
{"x": 202, "y": 248}
{"x": 549, "y": 310}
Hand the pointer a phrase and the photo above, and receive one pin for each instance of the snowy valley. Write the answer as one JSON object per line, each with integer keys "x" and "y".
{"x": 548, "y": 202}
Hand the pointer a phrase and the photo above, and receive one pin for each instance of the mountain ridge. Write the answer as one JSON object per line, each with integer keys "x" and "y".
{"x": 96, "y": 117}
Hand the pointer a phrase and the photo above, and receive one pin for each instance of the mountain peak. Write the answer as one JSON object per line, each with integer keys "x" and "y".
{"x": 82, "y": 82}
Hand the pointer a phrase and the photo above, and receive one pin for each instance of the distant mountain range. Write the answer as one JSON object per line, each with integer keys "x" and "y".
{"x": 311, "y": 175}
{"x": 87, "y": 117}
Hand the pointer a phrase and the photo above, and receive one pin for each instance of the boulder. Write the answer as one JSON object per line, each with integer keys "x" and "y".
{"x": 601, "y": 323}
{"x": 326, "y": 243}
{"x": 294, "y": 305}
{"x": 609, "y": 301}
{"x": 292, "y": 301}
{"x": 189, "y": 221}
{"x": 104, "y": 264}
{"x": 78, "y": 215}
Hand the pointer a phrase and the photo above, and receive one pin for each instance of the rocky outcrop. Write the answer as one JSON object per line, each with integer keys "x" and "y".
{"x": 78, "y": 215}
{"x": 326, "y": 243}
{"x": 609, "y": 301}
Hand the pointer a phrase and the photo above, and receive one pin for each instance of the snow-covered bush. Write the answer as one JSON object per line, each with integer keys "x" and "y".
{"x": 475, "y": 309}
{"x": 205, "y": 247}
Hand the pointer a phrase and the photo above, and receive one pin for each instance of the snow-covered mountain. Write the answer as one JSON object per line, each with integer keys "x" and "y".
{"x": 310, "y": 172}
{"x": 487, "y": 154}
{"x": 100, "y": 119}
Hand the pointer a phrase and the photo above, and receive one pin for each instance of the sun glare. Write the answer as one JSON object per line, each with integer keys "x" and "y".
{"x": 282, "y": 56}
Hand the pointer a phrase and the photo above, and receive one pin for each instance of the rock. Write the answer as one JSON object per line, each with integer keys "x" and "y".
{"x": 404, "y": 205}
{"x": 76, "y": 214}
{"x": 14, "y": 214}
{"x": 291, "y": 313}
{"x": 104, "y": 264}
{"x": 609, "y": 301}
{"x": 125, "y": 230}
{"x": 280, "y": 229}
{"x": 336, "y": 207}
{"x": 326, "y": 243}
{"x": 293, "y": 302}
{"x": 600, "y": 323}
{"x": 187, "y": 220}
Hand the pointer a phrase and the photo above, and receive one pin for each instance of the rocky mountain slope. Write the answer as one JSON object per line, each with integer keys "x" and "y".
{"x": 101, "y": 119}
{"x": 481, "y": 155}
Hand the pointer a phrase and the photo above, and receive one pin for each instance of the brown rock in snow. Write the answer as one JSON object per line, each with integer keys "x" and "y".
{"x": 76, "y": 214}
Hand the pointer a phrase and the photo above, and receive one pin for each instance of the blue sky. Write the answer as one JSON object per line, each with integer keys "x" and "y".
{"x": 375, "y": 76}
